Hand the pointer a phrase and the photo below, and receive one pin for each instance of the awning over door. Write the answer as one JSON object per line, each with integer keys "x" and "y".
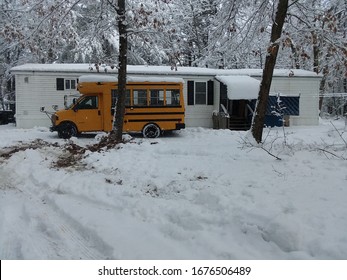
{"x": 240, "y": 87}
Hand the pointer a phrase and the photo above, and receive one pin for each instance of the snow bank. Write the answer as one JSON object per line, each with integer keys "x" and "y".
{"x": 195, "y": 194}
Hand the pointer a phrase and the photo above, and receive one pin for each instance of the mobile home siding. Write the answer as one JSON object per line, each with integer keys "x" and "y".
{"x": 308, "y": 90}
{"x": 36, "y": 87}
{"x": 35, "y": 91}
{"x": 197, "y": 115}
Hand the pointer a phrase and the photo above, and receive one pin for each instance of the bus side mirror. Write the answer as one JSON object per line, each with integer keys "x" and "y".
{"x": 74, "y": 102}
{"x": 42, "y": 109}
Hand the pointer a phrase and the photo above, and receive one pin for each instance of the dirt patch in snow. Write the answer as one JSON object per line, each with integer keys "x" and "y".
{"x": 71, "y": 153}
{"x": 7, "y": 152}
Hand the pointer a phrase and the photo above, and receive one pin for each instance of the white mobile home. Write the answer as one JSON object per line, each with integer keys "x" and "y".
{"x": 205, "y": 89}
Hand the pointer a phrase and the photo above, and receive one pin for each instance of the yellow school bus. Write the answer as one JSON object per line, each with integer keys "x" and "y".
{"x": 153, "y": 105}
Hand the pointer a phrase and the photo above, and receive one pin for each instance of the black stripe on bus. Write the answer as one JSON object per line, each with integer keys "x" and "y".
{"x": 165, "y": 84}
{"x": 154, "y": 113}
{"x": 140, "y": 84}
{"x": 152, "y": 107}
{"x": 156, "y": 120}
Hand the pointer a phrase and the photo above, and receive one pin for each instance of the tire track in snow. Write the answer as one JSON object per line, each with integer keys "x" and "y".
{"x": 66, "y": 239}
{"x": 34, "y": 229}
{"x": 10, "y": 243}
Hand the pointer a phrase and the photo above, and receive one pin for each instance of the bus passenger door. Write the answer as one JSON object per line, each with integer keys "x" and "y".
{"x": 89, "y": 114}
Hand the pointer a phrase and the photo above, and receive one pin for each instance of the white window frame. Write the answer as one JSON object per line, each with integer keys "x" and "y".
{"x": 196, "y": 93}
{"x": 68, "y": 84}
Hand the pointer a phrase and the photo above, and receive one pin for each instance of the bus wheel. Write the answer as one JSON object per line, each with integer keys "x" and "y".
{"x": 67, "y": 130}
{"x": 151, "y": 130}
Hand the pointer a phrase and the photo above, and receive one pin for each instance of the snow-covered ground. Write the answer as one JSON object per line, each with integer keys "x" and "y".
{"x": 195, "y": 194}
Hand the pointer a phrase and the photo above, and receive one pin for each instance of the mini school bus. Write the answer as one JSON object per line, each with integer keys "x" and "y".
{"x": 152, "y": 106}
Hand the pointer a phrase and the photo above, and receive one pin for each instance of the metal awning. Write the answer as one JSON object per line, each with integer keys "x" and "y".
{"x": 240, "y": 87}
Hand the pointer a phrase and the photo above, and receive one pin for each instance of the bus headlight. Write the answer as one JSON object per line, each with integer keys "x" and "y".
{"x": 54, "y": 118}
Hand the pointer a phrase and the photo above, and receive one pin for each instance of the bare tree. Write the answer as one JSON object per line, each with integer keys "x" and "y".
{"x": 117, "y": 132}
{"x": 270, "y": 62}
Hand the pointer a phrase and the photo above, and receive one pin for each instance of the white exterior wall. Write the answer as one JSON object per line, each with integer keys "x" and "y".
{"x": 39, "y": 91}
{"x": 308, "y": 89}
{"x": 199, "y": 115}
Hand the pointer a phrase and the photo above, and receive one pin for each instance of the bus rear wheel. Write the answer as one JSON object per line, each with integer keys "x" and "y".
{"x": 151, "y": 130}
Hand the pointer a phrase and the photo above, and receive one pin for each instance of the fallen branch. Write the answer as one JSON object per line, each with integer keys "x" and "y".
{"x": 339, "y": 133}
{"x": 252, "y": 146}
{"x": 331, "y": 153}
{"x": 271, "y": 154}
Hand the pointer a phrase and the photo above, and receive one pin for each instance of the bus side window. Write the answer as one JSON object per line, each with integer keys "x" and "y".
{"x": 127, "y": 98}
{"x": 172, "y": 97}
{"x": 140, "y": 97}
{"x": 89, "y": 102}
{"x": 114, "y": 93}
{"x": 114, "y": 96}
{"x": 157, "y": 97}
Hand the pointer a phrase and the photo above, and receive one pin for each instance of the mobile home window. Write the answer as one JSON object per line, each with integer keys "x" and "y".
{"x": 60, "y": 84}
{"x": 70, "y": 84}
{"x": 67, "y": 84}
{"x": 63, "y": 84}
{"x": 200, "y": 93}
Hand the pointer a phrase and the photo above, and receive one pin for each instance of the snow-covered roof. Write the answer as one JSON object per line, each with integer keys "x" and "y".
{"x": 108, "y": 78}
{"x": 240, "y": 87}
{"x": 157, "y": 70}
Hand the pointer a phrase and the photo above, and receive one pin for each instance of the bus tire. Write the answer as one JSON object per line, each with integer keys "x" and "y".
{"x": 151, "y": 130}
{"x": 67, "y": 130}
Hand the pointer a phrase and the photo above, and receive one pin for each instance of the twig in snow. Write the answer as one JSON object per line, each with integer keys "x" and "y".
{"x": 331, "y": 153}
{"x": 339, "y": 133}
{"x": 271, "y": 154}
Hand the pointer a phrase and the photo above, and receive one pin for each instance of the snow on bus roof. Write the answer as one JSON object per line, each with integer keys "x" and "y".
{"x": 156, "y": 70}
{"x": 109, "y": 78}
{"x": 240, "y": 87}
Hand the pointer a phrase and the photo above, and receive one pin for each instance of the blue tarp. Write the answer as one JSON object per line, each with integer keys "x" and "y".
{"x": 289, "y": 107}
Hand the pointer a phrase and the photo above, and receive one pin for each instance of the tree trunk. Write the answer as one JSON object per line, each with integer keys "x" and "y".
{"x": 270, "y": 62}
{"x": 316, "y": 67}
{"x": 2, "y": 92}
{"x": 122, "y": 72}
